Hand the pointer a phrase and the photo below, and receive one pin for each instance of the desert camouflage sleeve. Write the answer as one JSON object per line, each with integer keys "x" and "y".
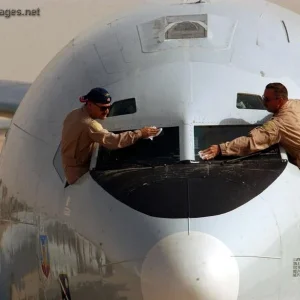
{"x": 111, "y": 140}
{"x": 258, "y": 139}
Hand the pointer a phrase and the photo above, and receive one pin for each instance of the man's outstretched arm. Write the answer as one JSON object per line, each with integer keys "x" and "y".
{"x": 259, "y": 139}
{"x": 113, "y": 141}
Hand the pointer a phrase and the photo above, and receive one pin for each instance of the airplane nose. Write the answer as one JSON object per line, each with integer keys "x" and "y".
{"x": 194, "y": 266}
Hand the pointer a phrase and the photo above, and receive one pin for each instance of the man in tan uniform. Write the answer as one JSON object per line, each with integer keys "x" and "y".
{"x": 81, "y": 131}
{"x": 283, "y": 128}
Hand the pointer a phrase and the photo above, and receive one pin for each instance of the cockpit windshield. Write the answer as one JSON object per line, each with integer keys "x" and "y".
{"x": 162, "y": 150}
{"x": 205, "y": 136}
{"x": 175, "y": 190}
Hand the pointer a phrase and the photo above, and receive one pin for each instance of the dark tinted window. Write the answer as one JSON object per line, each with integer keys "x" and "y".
{"x": 123, "y": 107}
{"x": 205, "y": 136}
{"x": 163, "y": 149}
{"x": 249, "y": 101}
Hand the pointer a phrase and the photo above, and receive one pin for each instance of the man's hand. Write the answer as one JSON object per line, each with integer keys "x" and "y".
{"x": 149, "y": 131}
{"x": 210, "y": 152}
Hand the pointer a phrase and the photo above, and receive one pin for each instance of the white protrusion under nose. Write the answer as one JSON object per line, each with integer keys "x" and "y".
{"x": 194, "y": 266}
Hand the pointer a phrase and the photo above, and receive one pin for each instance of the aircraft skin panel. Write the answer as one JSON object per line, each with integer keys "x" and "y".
{"x": 75, "y": 211}
{"x": 283, "y": 200}
{"x": 82, "y": 242}
{"x": 84, "y": 64}
{"x": 78, "y": 214}
{"x": 266, "y": 271}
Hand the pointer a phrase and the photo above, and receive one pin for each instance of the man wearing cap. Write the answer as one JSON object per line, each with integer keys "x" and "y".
{"x": 283, "y": 128}
{"x": 81, "y": 131}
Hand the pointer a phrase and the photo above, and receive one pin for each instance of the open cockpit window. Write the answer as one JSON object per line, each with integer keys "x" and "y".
{"x": 57, "y": 162}
{"x": 249, "y": 101}
{"x": 162, "y": 150}
{"x": 205, "y": 136}
{"x": 123, "y": 107}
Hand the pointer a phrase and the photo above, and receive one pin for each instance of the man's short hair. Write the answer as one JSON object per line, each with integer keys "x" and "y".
{"x": 279, "y": 89}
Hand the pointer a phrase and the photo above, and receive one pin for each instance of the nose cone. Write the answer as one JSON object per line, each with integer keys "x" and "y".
{"x": 194, "y": 266}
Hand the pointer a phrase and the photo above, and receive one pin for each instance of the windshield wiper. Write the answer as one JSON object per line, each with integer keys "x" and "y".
{"x": 143, "y": 164}
{"x": 147, "y": 163}
{"x": 232, "y": 161}
{"x": 124, "y": 164}
{"x": 188, "y": 161}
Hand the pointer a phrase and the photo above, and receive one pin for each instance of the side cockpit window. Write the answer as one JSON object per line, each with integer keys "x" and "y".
{"x": 249, "y": 101}
{"x": 123, "y": 107}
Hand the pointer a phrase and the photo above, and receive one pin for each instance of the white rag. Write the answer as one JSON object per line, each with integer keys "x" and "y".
{"x": 159, "y": 132}
{"x": 201, "y": 155}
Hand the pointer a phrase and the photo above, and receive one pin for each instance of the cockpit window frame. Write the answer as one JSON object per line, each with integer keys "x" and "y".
{"x": 259, "y": 102}
{"x": 123, "y": 101}
{"x": 170, "y": 132}
{"x": 57, "y": 164}
{"x": 224, "y": 133}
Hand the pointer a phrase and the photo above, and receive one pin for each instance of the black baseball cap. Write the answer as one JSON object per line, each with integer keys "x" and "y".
{"x": 97, "y": 95}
